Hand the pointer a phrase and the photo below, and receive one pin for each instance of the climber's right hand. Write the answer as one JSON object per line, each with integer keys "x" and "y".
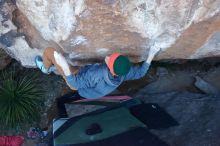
{"x": 61, "y": 61}
{"x": 154, "y": 50}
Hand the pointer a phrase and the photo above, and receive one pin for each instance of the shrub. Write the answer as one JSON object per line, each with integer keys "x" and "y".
{"x": 19, "y": 98}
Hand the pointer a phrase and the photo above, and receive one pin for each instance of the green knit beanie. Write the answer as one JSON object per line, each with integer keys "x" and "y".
{"x": 121, "y": 65}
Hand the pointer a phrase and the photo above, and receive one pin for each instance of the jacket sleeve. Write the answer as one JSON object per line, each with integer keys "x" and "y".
{"x": 137, "y": 71}
{"x": 85, "y": 79}
{"x": 73, "y": 81}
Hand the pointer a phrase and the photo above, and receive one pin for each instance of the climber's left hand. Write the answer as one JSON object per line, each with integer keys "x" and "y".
{"x": 61, "y": 61}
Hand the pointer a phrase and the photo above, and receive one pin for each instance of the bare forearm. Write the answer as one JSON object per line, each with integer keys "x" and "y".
{"x": 152, "y": 52}
{"x": 149, "y": 58}
{"x": 66, "y": 71}
{"x": 61, "y": 61}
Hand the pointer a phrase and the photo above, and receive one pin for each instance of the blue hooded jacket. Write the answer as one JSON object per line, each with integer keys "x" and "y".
{"x": 95, "y": 80}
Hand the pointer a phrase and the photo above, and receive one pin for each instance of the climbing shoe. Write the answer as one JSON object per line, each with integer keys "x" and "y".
{"x": 39, "y": 63}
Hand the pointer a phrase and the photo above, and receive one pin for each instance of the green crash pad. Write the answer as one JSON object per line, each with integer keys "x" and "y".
{"x": 112, "y": 122}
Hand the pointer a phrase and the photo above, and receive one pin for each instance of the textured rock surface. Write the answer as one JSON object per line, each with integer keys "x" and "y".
{"x": 196, "y": 114}
{"x": 87, "y": 30}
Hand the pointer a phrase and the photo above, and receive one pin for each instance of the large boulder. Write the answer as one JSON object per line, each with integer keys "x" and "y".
{"x": 85, "y": 31}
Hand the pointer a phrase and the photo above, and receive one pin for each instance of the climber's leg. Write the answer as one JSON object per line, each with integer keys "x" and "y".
{"x": 49, "y": 61}
{"x": 39, "y": 63}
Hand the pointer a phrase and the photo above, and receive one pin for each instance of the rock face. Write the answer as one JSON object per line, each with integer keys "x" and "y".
{"x": 88, "y": 30}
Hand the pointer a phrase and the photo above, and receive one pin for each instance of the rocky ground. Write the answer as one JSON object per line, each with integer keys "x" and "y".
{"x": 197, "y": 114}
{"x": 172, "y": 86}
{"x": 89, "y": 30}
{"x": 196, "y": 108}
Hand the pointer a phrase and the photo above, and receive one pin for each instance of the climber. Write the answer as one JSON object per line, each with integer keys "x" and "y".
{"x": 95, "y": 80}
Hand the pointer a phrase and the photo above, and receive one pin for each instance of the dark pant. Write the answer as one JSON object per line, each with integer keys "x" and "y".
{"x": 67, "y": 98}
